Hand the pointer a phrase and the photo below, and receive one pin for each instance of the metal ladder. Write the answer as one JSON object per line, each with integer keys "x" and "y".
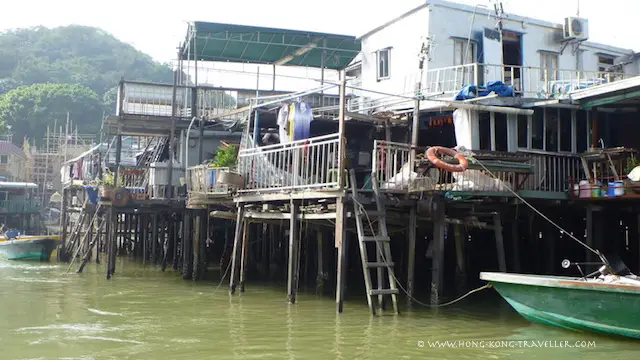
{"x": 370, "y": 234}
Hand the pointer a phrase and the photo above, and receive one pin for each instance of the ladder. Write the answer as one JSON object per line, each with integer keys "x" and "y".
{"x": 374, "y": 236}
{"x": 155, "y": 156}
{"x": 95, "y": 217}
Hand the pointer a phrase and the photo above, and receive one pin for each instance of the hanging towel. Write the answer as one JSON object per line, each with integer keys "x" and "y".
{"x": 283, "y": 123}
{"x": 302, "y": 121}
{"x": 462, "y": 127}
{"x": 291, "y": 118}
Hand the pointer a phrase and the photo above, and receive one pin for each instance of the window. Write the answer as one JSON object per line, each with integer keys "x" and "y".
{"x": 523, "y": 131}
{"x": 548, "y": 65}
{"x": 582, "y": 131}
{"x": 4, "y": 159}
{"x": 464, "y": 51}
{"x": 382, "y": 59}
{"x": 605, "y": 62}
{"x": 484, "y": 127}
{"x": 500, "y": 131}
{"x": 537, "y": 128}
{"x": 566, "y": 134}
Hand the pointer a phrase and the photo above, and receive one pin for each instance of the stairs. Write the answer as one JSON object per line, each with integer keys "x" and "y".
{"x": 372, "y": 234}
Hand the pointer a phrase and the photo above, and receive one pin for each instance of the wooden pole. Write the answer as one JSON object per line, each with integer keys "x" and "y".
{"x": 243, "y": 255}
{"x": 411, "y": 254}
{"x": 437, "y": 272}
{"x": 341, "y": 244}
{"x": 461, "y": 271}
{"x": 236, "y": 243}
{"x": 320, "y": 264}
{"x": 154, "y": 239}
{"x": 515, "y": 235}
{"x": 497, "y": 227}
{"x": 293, "y": 254}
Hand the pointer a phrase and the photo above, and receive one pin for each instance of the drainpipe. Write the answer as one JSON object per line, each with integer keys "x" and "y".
{"x": 186, "y": 147}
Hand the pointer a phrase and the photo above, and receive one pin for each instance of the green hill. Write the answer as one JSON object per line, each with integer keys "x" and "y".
{"x": 45, "y": 73}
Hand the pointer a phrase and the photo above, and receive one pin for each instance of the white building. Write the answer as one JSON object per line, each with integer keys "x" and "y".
{"x": 539, "y": 52}
{"x": 460, "y": 45}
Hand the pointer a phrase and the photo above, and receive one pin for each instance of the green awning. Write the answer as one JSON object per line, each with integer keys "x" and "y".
{"x": 261, "y": 45}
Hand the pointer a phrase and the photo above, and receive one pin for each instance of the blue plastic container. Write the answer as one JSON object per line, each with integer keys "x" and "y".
{"x": 92, "y": 193}
{"x": 211, "y": 177}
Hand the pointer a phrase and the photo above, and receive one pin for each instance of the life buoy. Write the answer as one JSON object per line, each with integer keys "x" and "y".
{"x": 432, "y": 155}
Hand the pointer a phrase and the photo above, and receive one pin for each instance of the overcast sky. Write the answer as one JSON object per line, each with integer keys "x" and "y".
{"x": 157, "y": 28}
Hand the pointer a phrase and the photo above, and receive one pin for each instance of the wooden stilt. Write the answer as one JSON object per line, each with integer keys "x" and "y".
{"x": 515, "y": 238}
{"x": 154, "y": 238}
{"x": 243, "y": 255}
{"x": 461, "y": 269}
{"x": 341, "y": 244}
{"x": 187, "y": 238}
{"x": 197, "y": 239}
{"x": 292, "y": 271}
{"x": 411, "y": 253}
{"x": 497, "y": 228}
{"x": 236, "y": 244}
{"x": 590, "y": 227}
{"x": 320, "y": 263}
{"x": 437, "y": 273}
{"x": 111, "y": 240}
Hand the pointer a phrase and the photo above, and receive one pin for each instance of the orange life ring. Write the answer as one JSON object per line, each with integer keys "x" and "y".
{"x": 432, "y": 152}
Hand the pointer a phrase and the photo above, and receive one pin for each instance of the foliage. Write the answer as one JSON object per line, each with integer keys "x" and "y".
{"x": 30, "y": 108}
{"x": 226, "y": 156}
{"x": 107, "y": 178}
{"x": 632, "y": 162}
{"x": 88, "y": 61}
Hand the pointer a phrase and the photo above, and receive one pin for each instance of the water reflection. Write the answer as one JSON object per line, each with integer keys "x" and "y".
{"x": 143, "y": 313}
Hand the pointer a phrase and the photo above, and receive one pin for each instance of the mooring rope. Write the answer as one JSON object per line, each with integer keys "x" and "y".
{"x": 536, "y": 210}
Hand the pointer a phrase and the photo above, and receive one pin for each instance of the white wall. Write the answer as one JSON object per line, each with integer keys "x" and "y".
{"x": 405, "y": 36}
{"x": 443, "y": 20}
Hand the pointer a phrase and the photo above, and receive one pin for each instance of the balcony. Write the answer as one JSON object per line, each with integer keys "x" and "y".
{"x": 527, "y": 81}
{"x": 529, "y": 173}
{"x": 298, "y": 166}
{"x": 203, "y": 184}
{"x": 19, "y": 206}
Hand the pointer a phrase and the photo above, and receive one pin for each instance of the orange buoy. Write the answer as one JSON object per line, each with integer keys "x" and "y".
{"x": 432, "y": 155}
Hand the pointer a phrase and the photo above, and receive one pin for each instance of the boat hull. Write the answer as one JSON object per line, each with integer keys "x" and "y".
{"x": 572, "y": 304}
{"x": 29, "y": 249}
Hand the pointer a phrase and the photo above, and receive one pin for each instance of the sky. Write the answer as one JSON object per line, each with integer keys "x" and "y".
{"x": 157, "y": 30}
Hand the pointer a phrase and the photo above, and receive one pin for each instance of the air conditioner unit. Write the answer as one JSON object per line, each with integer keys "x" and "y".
{"x": 575, "y": 28}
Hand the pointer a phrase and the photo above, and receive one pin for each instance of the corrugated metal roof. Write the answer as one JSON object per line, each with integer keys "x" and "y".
{"x": 7, "y": 147}
{"x": 262, "y": 45}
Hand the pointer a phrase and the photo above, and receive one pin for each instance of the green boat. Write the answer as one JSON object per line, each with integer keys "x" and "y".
{"x": 29, "y": 247}
{"x": 606, "y": 304}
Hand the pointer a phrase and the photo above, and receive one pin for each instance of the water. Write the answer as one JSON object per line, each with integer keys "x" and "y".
{"x": 143, "y": 313}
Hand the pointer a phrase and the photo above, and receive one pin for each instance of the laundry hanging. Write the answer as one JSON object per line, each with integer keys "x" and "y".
{"x": 283, "y": 124}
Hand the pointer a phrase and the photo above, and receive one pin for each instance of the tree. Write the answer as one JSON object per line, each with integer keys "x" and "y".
{"x": 30, "y": 108}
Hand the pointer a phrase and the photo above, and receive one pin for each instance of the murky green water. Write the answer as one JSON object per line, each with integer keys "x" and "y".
{"x": 143, "y": 313}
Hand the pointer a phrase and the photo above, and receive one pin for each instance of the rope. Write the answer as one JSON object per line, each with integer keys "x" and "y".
{"x": 536, "y": 210}
{"x": 486, "y": 286}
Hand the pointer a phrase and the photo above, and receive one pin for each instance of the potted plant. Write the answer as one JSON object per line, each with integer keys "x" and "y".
{"x": 226, "y": 157}
{"x": 106, "y": 185}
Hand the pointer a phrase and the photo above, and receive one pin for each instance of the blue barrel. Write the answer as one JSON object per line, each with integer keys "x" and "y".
{"x": 211, "y": 177}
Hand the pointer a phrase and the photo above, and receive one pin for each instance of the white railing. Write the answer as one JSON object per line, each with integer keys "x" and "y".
{"x": 299, "y": 165}
{"x": 528, "y": 81}
{"x": 553, "y": 172}
{"x": 392, "y": 165}
{"x": 202, "y": 180}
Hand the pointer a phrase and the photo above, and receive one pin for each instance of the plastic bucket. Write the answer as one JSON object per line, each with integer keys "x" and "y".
{"x": 611, "y": 186}
{"x": 618, "y": 188}
{"x": 585, "y": 189}
{"x": 211, "y": 177}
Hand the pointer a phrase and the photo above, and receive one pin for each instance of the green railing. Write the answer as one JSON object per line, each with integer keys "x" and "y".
{"x": 19, "y": 206}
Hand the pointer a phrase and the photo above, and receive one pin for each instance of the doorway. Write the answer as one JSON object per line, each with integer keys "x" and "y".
{"x": 512, "y": 59}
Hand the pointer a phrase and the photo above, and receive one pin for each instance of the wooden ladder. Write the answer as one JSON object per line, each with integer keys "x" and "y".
{"x": 94, "y": 218}
{"x": 376, "y": 235}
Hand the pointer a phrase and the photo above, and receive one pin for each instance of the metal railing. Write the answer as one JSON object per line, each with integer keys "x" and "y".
{"x": 149, "y": 99}
{"x": 299, "y": 165}
{"x": 202, "y": 180}
{"x": 19, "y": 206}
{"x": 392, "y": 165}
{"x": 553, "y": 172}
{"x": 527, "y": 81}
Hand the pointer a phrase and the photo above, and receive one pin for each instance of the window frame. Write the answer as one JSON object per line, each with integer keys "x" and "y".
{"x": 379, "y": 68}
{"x": 463, "y": 42}
{"x": 604, "y": 66}
{"x": 544, "y": 54}
{"x": 4, "y": 157}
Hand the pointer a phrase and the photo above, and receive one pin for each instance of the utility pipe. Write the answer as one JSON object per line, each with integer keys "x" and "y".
{"x": 186, "y": 146}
